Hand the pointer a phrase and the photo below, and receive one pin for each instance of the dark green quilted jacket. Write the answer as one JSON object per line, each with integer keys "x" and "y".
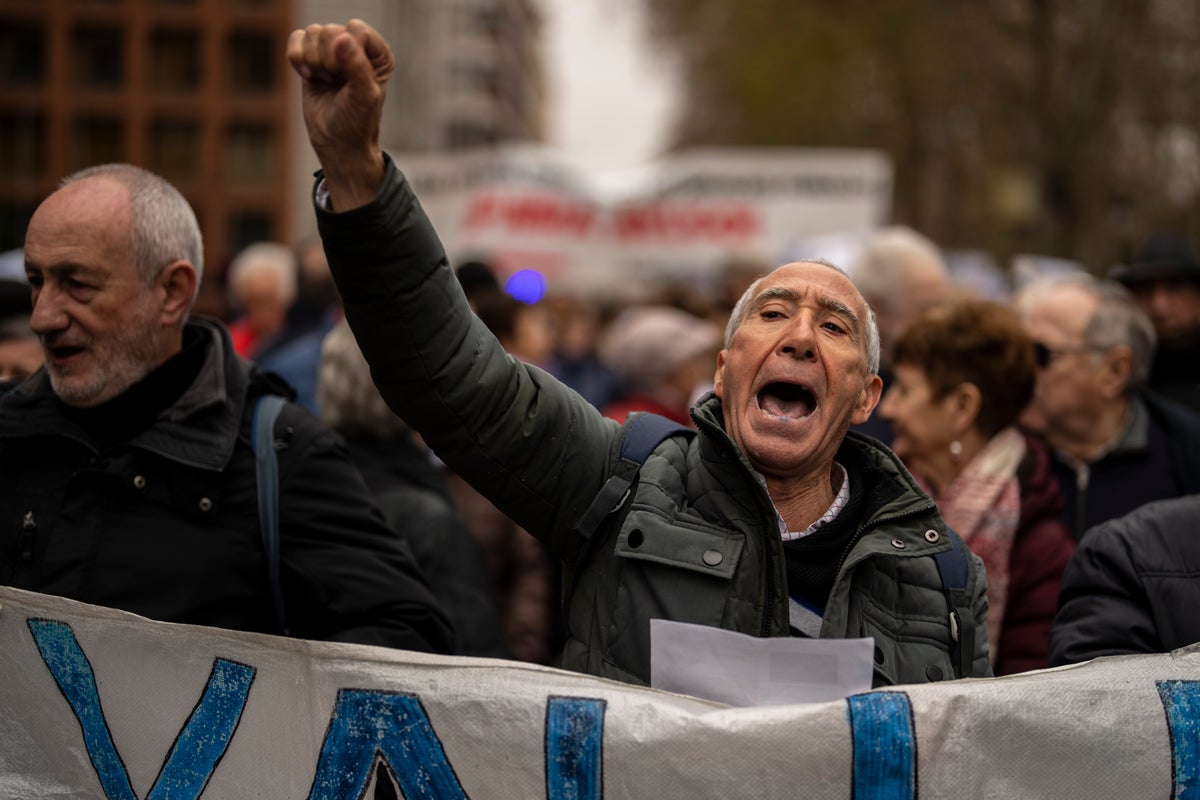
{"x": 707, "y": 548}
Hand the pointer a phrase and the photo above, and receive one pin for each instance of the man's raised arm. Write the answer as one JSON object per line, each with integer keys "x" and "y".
{"x": 344, "y": 71}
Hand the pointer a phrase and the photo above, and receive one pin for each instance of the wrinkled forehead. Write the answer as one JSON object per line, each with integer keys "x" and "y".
{"x": 814, "y": 277}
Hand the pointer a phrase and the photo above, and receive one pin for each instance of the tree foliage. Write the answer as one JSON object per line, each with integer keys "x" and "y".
{"x": 1067, "y": 128}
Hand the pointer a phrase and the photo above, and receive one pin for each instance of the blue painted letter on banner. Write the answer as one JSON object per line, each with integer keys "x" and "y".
{"x": 574, "y": 748}
{"x": 885, "y": 748}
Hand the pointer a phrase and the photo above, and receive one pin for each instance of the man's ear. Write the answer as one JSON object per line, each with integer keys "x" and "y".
{"x": 718, "y": 382}
{"x": 177, "y": 282}
{"x": 867, "y": 400}
{"x": 1116, "y": 371}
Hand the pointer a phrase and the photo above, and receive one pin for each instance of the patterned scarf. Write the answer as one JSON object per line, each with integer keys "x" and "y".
{"x": 983, "y": 505}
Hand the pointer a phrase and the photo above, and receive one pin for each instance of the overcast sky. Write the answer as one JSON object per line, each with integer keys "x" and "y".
{"x": 610, "y": 100}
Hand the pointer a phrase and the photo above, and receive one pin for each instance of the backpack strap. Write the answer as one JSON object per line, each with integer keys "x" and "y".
{"x": 262, "y": 442}
{"x": 953, "y": 570}
{"x": 640, "y": 435}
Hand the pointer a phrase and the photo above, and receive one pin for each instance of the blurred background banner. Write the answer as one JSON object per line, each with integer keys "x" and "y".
{"x": 671, "y": 219}
{"x": 99, "y": 703}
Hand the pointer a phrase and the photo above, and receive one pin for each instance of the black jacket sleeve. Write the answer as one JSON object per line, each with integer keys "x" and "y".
{"x": 1133, "y": 585}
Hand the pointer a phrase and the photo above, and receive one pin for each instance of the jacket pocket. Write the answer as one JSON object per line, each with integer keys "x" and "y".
{"x": 647, "y": 536}
{"x": 667, "y": 569}
{"x": 912, "y": 650}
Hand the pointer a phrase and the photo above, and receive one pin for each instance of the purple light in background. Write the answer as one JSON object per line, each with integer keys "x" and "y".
{"x": 526, "y": 285}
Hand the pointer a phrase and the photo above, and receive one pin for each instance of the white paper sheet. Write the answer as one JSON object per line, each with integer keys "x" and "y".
{"x": 742, "y": 670}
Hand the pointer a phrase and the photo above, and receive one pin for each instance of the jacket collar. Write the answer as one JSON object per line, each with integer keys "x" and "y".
{"x": 903, "y": 495}
{"x": 199, "y": 430}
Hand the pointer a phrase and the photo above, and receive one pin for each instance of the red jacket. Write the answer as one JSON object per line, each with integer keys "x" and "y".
{"x": 1039, "y": 557}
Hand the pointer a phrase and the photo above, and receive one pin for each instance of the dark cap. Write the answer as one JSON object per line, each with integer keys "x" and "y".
{"x": 1163, "y": 255}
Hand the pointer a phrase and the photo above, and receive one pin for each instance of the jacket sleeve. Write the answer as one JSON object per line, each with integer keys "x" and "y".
{"x": 979, "y": 603}
{"x": 1102, "y": 608}
{"x": 1037, "y": 561}
{"x": 531, "y": 445}
{"x": 346, "y": 575}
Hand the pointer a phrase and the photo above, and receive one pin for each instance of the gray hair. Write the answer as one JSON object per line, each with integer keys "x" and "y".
{"x": 271, "y": 258}
{"x": 889, "y": 259}
{"x": 162, "y": 225}
{"x": 347, "y": 398}
{"x": 1118, "y": 320}
{"x": 740, "y": 309}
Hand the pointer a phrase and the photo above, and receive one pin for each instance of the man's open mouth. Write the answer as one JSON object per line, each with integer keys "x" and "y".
{"x": 790, "y": 400}
{"x": 62, "y": 353}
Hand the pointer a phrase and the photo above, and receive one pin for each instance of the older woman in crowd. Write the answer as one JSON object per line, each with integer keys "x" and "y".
{"x": 410, "y": 492}
{"x": 963, "y": 373}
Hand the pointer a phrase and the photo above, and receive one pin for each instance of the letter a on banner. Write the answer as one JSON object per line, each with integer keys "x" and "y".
{"x": 367, "y": 725}
{"x": 574, "y": 747}
{"x": 197, "y": 750}
{"x": 881, "y": 726}
{"x": 1181, "y": 700}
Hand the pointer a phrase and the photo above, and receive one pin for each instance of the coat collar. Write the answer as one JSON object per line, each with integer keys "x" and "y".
{"x": 199, "y": 430}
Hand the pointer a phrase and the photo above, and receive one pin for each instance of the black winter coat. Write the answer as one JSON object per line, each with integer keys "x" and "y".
{"x": 1133, "y": 585}
{"x": 414, "y": 499}
{"x": 166, "y": 525}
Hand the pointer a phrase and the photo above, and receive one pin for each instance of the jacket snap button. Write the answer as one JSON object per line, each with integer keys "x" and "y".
{"x": 205, "y": 504}
{"x": 139, "y": 482}
{"x": 713, "y": 557}
{"x": 931, "y": 536}
{"x": 636, "y": 538}
{"x": 934, "y": 673}
{"x": 878, "y": 654}
{"x": 898, "y": 544}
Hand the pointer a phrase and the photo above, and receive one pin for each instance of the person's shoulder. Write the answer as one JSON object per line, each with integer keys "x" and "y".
{"x": 1148, "y": 531}
{"x": 1175, "y": 417}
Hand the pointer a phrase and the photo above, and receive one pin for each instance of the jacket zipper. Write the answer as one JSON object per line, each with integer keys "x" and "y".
{"x": 1082, "y": 478}
{"x": 25, "y": 541}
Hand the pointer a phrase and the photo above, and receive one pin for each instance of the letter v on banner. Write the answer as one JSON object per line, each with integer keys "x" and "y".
{"x": 197, "y": 750}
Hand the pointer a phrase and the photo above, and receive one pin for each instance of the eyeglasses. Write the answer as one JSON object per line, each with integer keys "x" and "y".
{"x": 1043, "y": 354}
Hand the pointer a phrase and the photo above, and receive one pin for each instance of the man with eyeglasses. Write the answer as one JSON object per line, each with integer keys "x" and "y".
{"x": 1117, "y": 445}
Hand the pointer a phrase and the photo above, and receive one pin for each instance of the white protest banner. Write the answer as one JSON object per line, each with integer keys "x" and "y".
{"x": 102, "y": 704}
{"x": 520, "y": 207}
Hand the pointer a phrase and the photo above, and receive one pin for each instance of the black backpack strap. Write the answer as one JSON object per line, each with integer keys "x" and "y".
{"x": 953, "y": 570}
{"x": 262, "y": 442}
{"x": 640, "y": 435}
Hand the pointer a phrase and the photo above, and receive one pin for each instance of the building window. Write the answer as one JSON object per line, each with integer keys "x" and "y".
{"x": 98, "y": 56}
{"x": 14, "y": 220}
{"x": 248, "y": 227}
{"x": 22, "y": 144}
{"x": 252, "y": 63}
{"x": 250, "y": 154}
{"x": 175, "y": 149}
{"x": 96, "y": 140}
{"x": 175, "y": 60}
{"x": 22, "y": 53}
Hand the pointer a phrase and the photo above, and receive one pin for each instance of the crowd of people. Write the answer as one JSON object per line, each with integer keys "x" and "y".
{"x": 982, "y": 485}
